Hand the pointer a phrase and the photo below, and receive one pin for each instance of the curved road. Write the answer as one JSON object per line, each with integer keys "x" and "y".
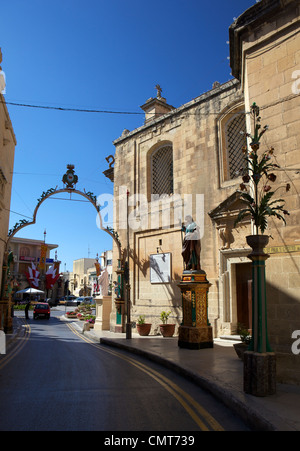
{"x": 55, "y": 379}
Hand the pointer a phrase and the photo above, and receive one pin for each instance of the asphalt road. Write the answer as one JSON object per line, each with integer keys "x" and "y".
{"x": 57, "y": 380}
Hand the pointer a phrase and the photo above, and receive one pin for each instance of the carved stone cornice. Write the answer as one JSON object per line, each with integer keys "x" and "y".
{"x": 224, "y": 216}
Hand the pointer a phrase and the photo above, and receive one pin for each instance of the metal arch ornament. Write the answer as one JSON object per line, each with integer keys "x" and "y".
{"x": 70, "y": 178}
{"x": 69, "y": 182}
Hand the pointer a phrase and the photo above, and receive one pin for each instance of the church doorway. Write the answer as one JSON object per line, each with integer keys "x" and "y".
{"x": 244, "y": 294}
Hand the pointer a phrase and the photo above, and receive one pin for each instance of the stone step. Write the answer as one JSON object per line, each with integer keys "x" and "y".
{"x": 233, "y": 338}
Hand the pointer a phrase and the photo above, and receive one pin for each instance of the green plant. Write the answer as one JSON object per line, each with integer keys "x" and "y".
{"x": 141, "y": 319}
{"x": 260, "y": 202}
{"x": 164, "y": 316}
{"x": 244, "y": 334}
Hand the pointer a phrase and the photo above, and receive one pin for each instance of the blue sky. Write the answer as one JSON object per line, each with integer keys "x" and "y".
{"x": 104, "y": 55}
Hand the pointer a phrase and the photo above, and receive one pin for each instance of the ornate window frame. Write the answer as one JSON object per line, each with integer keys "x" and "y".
{"x": 152, "y": 168}
{"x": 224, "y": 121}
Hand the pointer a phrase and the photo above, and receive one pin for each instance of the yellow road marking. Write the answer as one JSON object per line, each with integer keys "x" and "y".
{"x": 18, "y": 347}
{"x": 182, "y": 397}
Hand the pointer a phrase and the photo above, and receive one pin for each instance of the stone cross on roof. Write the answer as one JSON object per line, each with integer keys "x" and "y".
{"x": 159, "y": 90}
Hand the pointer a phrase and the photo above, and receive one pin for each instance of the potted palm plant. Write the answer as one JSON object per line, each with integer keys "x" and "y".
{"x": 256, "y": 189}
{"x": 167, "y": 330}
{"x": 143, "y": 328}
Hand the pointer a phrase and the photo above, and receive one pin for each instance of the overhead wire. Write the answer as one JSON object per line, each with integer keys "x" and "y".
{"x": 179, "y": 109}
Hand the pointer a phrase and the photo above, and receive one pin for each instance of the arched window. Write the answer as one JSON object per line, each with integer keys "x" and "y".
{"x": 232, "y": 132}
{"x": 24, "y": 251}
{"x": 235, "y": 140}
{"x": 162, "y": 171}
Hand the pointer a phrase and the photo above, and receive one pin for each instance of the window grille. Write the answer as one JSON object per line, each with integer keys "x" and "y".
{"x": 162, "y": 171}
{"x": 236, "y": 140}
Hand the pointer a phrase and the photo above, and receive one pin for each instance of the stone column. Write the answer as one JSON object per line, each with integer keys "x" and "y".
{"x": 195, "y": 331}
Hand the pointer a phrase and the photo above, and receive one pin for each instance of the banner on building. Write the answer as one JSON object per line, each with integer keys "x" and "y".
{"x": 42, "y": 264}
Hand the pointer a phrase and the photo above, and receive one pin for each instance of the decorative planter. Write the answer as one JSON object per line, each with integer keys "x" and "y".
{"x": 167, "y": 330}
{"x": 257, "y": 243}
{"x": 240, "y": 349}
{"x": 144, "y": 329}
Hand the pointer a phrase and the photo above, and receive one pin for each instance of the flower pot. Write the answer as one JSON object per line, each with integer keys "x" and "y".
{"x": 257, "y": 243}
{"x": 144, "y": 329}
{"x": 240, "y": 349}
{"x": 167, "y": 330}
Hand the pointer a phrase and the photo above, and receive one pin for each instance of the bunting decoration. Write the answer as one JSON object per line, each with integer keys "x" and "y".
{"x": 33, "y": 276}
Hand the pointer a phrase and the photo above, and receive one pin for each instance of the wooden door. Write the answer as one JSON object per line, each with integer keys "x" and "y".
{"x": 244, "y": 294}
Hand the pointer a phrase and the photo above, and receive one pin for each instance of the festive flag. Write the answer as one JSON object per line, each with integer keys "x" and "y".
{"x": 52, "y": 276}
{"x": 33, "y": 276}
{"x": 98, "y": 269}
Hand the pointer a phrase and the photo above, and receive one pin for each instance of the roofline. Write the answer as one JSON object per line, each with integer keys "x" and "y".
{"x": 33, "y": 242}
{"x": 202, "y": 98}
{"x": 10, "y": 127}
{"x": 252, "y": 17}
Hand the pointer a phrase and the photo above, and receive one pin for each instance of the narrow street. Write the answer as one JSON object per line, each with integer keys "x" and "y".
{"x": 58, "y": 380}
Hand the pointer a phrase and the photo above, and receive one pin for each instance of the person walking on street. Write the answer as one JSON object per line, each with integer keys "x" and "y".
{"x": 27, "y": 309}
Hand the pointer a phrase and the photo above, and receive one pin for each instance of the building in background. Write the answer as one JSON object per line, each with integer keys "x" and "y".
{"x": 83, "y": 281}
{"x": 7, "y": 154}
{"x": 27, "y": 263}
{"x": 80, "y": 284}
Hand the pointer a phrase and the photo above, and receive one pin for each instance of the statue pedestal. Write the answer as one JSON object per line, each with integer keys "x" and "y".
{"x": 195, "y": 331}
{"x": 103, "y": 310}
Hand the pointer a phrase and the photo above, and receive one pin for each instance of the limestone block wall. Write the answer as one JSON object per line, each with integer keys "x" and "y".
{"x": 7, "y": 152}
{"x": 272, "y": 68}
{"x": 193, "y": 133}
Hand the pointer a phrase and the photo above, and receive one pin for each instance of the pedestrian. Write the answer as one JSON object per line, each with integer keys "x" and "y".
{"x": 26, "y": 309}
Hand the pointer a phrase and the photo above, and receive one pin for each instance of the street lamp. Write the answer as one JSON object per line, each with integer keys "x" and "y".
{"x": 127, "y": 279}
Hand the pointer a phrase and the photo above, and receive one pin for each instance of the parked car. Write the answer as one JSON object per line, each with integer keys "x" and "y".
{"x": 88, "y": 300}
{"x": 79, "y": 300}
{"x": 41, "y": 309}
{"x": 61, "y": 300}
{"x": 71, "y": 300}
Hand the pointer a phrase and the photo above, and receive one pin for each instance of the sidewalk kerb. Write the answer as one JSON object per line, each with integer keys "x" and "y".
{"x": 238, "y": 402}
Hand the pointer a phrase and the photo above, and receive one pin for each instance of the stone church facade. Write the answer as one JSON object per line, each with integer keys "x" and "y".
{"x": 188, "y": 161}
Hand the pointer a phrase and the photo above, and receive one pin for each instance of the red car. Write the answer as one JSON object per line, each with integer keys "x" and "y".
{"x": 41, "y": 309}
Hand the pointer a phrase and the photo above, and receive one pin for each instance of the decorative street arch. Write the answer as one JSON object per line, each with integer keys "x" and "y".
{"x": 69, "y": 179}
